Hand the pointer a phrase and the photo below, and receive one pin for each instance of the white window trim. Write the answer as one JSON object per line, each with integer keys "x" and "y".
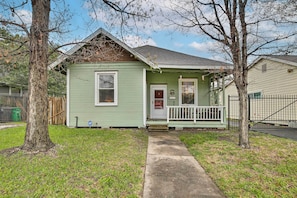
{"x": 254, "y": 92}
{"x": 115, "y": 103}
{"x": 195, "y": 89}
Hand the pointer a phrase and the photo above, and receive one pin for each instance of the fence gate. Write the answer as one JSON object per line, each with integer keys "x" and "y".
{"x": 265, "y": 111}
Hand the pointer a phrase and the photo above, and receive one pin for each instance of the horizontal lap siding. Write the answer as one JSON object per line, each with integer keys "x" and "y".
{"x": 171, "y": 80}
{"x": 275, "y": 81}
{"x": 128, "y": 112}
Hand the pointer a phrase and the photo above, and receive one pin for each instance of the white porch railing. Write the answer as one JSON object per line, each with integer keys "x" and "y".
{"x": 195, "y": 113}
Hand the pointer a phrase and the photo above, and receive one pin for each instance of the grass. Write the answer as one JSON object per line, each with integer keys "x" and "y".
{"x": 110, "y": 163}
{"x": 268, "y": 169}
{"x": 88, "y": 163}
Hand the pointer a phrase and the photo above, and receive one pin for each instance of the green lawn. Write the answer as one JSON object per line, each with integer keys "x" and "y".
{"x": 111, "y": 163}
{"x": 268, "y": 169}
{"x": 88, "y": 163}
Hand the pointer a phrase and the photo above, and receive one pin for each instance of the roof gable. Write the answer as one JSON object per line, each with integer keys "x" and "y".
{"x": 82, "y": 48}
{"x": 286, "y": 59}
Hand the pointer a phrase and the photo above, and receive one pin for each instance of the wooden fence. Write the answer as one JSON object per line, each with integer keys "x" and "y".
{"x": 56, "y": 110}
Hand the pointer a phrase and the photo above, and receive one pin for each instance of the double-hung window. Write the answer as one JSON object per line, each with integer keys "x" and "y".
{"x": 106, "y": 88}
{"x": 188, "y": 92}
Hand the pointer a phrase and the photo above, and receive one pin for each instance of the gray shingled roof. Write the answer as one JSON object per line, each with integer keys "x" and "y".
{"x": 153, "y": 56}
{"x": 170, "y": 59}
{"x": 289, "y": 58}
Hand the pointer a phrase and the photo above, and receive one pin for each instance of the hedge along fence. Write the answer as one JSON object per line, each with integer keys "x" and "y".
{"x": 56, "y": 110}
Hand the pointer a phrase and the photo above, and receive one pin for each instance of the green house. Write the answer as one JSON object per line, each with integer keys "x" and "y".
{"x": 110, "y": 84}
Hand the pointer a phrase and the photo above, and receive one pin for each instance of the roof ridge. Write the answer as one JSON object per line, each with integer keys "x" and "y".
{"x": 180, "y": 53}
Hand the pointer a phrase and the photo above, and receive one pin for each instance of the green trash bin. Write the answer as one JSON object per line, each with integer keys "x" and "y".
{"x": 16, "y": 114}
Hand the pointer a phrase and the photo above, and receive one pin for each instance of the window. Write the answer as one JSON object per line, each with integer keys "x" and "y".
{"x": 188, "y": 91}
{"x": 264, "y": 68}
{"x": 106, "y": 93}
{"x": 255, "y": 95}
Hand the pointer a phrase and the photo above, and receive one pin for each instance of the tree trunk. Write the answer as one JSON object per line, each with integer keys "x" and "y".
{"x": 37, "y": 136}
{"x": 243, "y": 112}
{"x": 243, "y": 76}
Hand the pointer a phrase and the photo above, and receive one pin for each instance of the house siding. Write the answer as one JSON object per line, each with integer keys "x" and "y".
{"x": 278, "y": 79}
{"x": 275, "y": 81}
{"x": 171, "y": 80}
{"x": 128, "y": 112}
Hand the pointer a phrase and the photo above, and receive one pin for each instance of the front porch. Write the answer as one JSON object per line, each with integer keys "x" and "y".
{"x": 192, "y": 117}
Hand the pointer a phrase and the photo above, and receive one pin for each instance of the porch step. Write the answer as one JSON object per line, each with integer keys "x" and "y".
{"x": 158, "y": 128}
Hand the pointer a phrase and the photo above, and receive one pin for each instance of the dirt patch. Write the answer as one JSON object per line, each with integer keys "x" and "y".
{"x": 10, "y": 151}
{"x": 53, "y": 152}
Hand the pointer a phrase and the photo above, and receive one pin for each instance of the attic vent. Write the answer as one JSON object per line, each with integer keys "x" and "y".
{"x": 264, "y": 68}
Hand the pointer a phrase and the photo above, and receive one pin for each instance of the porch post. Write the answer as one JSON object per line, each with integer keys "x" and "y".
{"x": 223, "y": 88}
{"x": 224, "y": 99}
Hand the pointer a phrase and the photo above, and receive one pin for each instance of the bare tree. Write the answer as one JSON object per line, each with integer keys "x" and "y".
{"x": 37, "y": 29}
{"x": 131, "y": 16}
{"x": 37, "y": 136}
{"x": 239, "y": 27}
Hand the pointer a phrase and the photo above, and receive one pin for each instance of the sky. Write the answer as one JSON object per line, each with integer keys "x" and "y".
{"x": 188, "y": 41}
{"x": 183, "y": 42}
{"x": 85, "y": 19}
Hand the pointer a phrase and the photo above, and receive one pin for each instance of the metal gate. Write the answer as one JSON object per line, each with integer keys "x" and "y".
{"x": 265, "y": 111}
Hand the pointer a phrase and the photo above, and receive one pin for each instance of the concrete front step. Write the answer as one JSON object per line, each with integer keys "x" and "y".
{"x": 158, "y": 128}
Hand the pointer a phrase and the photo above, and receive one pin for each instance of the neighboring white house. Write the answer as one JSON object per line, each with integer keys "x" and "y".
{"x": 274, "y": 75}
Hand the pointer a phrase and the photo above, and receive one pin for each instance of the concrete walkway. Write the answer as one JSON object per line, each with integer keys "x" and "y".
{"x": 4, "y": 126}
{"x": 171, "y": 171}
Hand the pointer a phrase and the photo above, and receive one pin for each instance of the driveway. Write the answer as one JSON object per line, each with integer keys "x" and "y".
{"x": 280, "y": 131}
